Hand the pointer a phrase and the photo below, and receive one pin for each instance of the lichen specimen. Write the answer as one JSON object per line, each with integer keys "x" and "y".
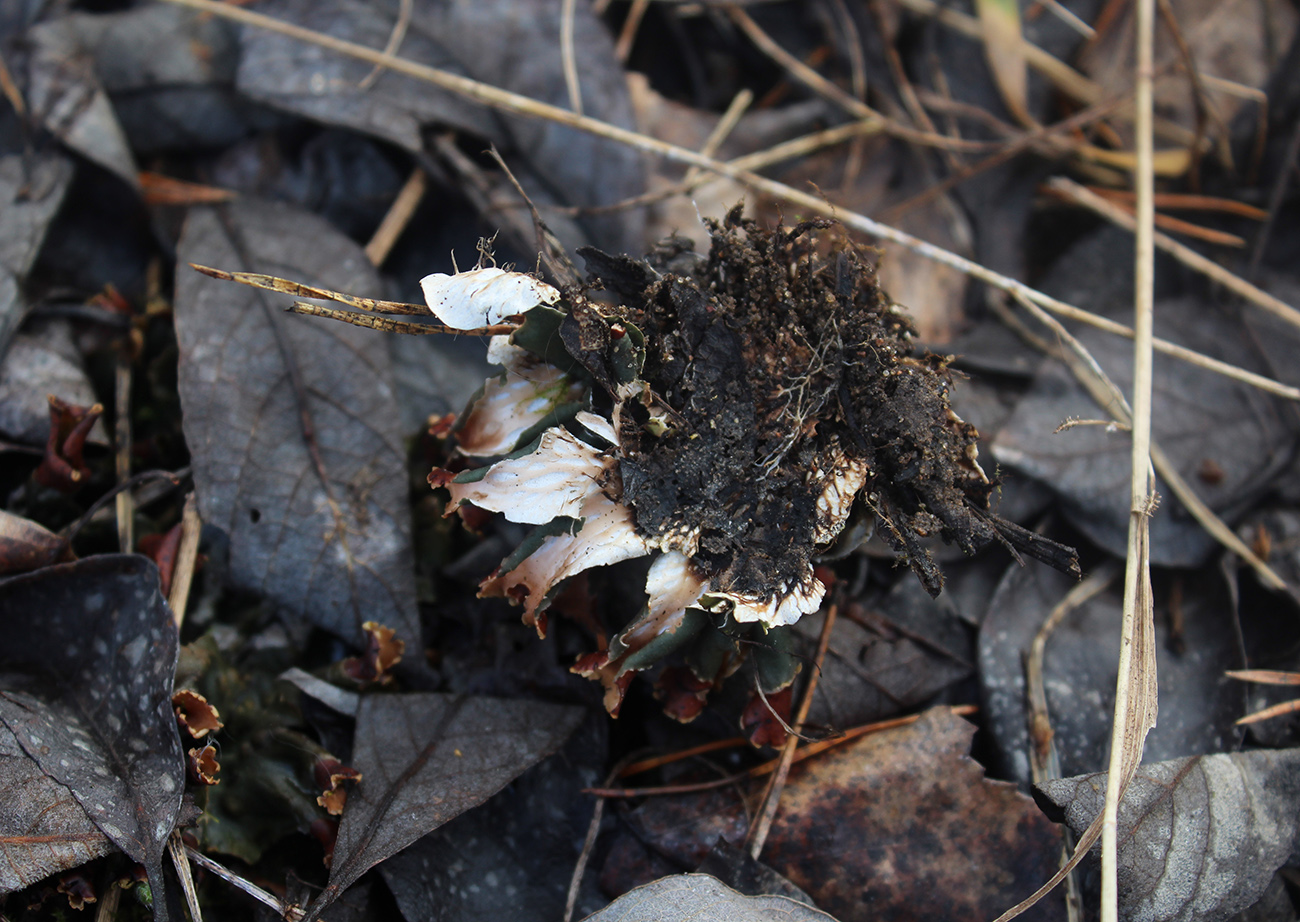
{"x": 730, "y": 414}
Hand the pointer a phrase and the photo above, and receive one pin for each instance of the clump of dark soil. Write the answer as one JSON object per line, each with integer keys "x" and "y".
{"x": 777, "y": 382}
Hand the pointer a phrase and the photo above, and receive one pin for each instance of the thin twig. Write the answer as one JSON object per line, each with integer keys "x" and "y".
{"x": 1184, "y": 254}
{"x": 289, "y": 911}
{"x": 187, "y": 557}
{"x": 762, "y": 823}
{"x": 631, "y": 25}
{"x": 1044, "y": 759}
{"x": 122, "y": 447}
{"x": 568, "y": 57}
{"x": 1135, "y": 684}
{"x": 394, "y": 43}
{"x": 1098, "y": 384}
{"x": 522, "y": 105}
{"x": 398, "y": 216}
{"x": 176, "y": 848}
{"x": 589, "y": 843}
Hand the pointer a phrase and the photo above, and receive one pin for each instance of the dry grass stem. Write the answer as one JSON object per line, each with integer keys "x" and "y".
{"x": 1043, "y": 759}
{"x": 395, "y": 38}
{"x": 1088, "y": 373}
{"x": 762, "y": 823}
{"x": 287, "y": 911}
{"x": 627, "y": 37}
{"x": 187, "y": 558}
{"x": 1135, "y": 685}
{"x": 568, "y": 56}
{"x": 125, "y": 502}
{"x": 399, "y": 215}
{"x": 522, "y": 105}
{"x": 1184, "y": 254}
{"x": 176, "y": 848}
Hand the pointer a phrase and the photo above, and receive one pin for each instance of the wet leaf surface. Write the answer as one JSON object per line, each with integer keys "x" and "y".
{"x": 1080, "y": 666}
{"x": 1228, "y": 440}
{"x": 43, "y": 829}
{"x": 702, "y": 898}
{"x": 427, "y": 758}
{"x": 292, "y": 425}
{"x": 1200, "y": 837}
{"x": 88, "y": 663}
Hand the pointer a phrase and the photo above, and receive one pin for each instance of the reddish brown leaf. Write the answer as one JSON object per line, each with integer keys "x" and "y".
{"x": 758, "y": 722}
{"x": 24, "y": 545}
{"x": 203, "y": 766}
{"x": 383, "y": 651}
{"x": 682, "y": 693}
{"x": 195, "y": 714}
{"x": 330, "y": 776}
{"x": 63, "y": 467}
{"x": 162, "y": 550}
{"x": 899, "y": 825}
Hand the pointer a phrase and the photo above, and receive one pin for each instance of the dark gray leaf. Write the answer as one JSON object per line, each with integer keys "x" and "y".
{"x": 702, "y": 898}
{"x": 512, "y": 44}
{"x": 1201, "y": 837}
{"x": 1197, "y": 706}
{"x": 89, "y": 657}
{"x": 426, "y": 758}
{"x": 1228, "y": 440}
{"x": 292, "y": 425}
{"x": 42, "y": 360}
{"x": 42, "y": 829}
{"x": 31, "y": 191}
{"x": 886, "y": 660}
{"x": 64, "y": 92}
{"x": 512, "y": 857}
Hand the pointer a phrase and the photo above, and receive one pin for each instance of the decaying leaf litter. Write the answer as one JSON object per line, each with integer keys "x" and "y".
{"x": 295, "y": 434}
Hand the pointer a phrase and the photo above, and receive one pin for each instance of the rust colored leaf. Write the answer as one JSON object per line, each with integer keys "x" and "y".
{"x": 896, "y": 825}
{"x": 162, "y": 550}
{"x": 761, "y": 721}
{"x": 24, "y": 545}
{"x": 79, "y": 891}
{"x": 203, "y": 766}
{"x": 330, "y": 776}
{"x": 63, "y": 468}
{"x": 427, "y": 758}
{"x": 195, "y": 713}
{"x": 1199, "y": 838}
{"x": 292, "y": 424}
{"x": 383, "y": 651}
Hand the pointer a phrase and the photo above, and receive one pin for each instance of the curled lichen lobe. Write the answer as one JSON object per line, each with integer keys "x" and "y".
{"x": 778, "y": 383}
